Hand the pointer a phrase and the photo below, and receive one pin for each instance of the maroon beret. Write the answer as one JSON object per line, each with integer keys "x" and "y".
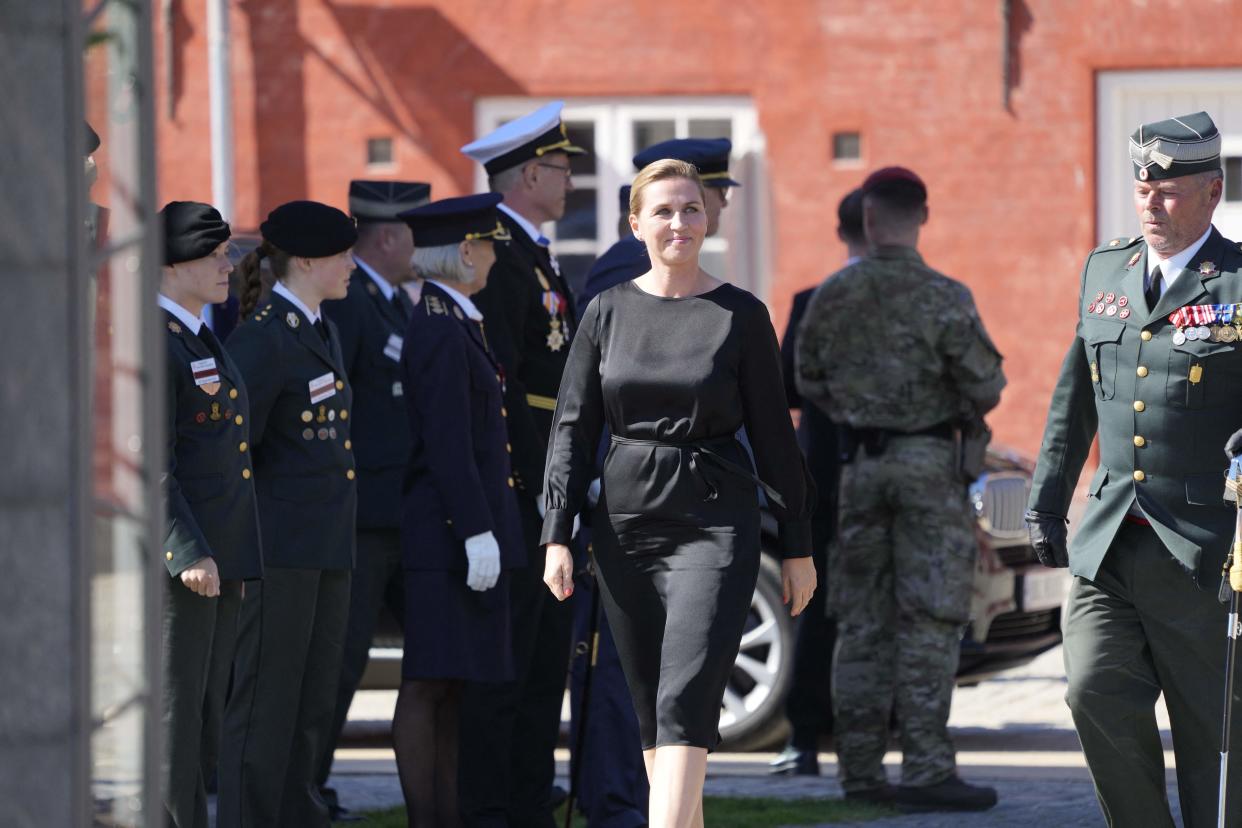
{"x": 889, "y": 178}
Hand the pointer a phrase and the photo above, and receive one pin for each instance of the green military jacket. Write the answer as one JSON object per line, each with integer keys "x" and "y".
{"x": 890, "y": 343}
{"x": 1163, "y": 406}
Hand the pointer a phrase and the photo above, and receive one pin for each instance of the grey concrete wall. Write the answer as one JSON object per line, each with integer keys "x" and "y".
{"x": 43, "y": 688}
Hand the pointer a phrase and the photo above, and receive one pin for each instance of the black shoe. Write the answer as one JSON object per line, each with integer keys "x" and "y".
{"x": 950, "y": 795}
{"x": 795, "y": 762}
{"x": 339, "y": 814}
{"x": 882, "y": 795}
{"x": 558, "y": 797}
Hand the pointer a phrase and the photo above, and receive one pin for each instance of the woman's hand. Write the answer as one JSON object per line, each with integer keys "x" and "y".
{"x": 797, "y": 583}
{"x": 558, "y": 571}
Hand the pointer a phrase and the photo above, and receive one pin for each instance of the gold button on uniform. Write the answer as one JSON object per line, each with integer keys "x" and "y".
{"x": 1139, "y": 476}
{"x": 348, "y": 445}
{"x": 1139, "y": 405}
{"x": 1142, "y": 371}
{"x": 238, "y": 419}
{"x": 503, "y": 412}
{"x": 340, "y": 385}
{"x": 1139, "y": 440}
{"x": 1145, "y": 336}
{"x": 509, "y": 448}
{"x": 242, "y": 446}
{"x": 232, "y": 393}
{"x": 510, "y": 482}
{"x": 344, "y": 414}
{"x": 168, "y": 556}
{"x": 350, "y": 474}
{"x": 246, "y": 474}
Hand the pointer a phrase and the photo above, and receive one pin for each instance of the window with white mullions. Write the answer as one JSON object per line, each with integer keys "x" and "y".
{"x": 613, "y": 130}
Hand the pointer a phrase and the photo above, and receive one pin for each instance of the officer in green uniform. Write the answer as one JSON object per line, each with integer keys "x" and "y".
{"x": 371, "y": 320}
{"x": 212, "y": 533}
{"x": 1154, "y": 370}
{"x": 896, "y": 355}
{"x": 292, "y": 632}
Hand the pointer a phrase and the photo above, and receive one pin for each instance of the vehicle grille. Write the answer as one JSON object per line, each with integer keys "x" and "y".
{"x": 1022, "y": 624}
{"x": 1000, "y": 503}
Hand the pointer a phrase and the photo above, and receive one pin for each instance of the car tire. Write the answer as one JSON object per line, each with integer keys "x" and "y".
{"x": 753, "y": 714}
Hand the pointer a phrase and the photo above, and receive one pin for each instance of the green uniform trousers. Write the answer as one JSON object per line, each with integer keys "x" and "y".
{"x": 900, "y": 581}
{"x": 195, "y": 631}
{"x": 289, "y": 647}
{"x": 1140, "y": 628}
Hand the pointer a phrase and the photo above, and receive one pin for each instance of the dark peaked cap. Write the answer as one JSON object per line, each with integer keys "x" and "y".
{"x": 384, "y": 200}
{"x": 710, "y": 156}
{"x": 1175, "y": 147}
{"x": 454, "y": 220}
{"x": 192, "y": 230}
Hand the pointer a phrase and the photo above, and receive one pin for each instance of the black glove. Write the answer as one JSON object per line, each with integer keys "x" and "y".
{"x": 1049, "y": 537}
{"x": 1233, "y": 446}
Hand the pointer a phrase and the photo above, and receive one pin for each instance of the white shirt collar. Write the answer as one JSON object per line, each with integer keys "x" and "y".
{"x": 384, "y": 285}
{"x": 462, "y": 301}
{"x": 852, "y": 259}
{"x": 1172, "y": 267}
{"x": 522, "y": 221}
{"x": 280, "y": 288}
{"x": 191, "y": 321}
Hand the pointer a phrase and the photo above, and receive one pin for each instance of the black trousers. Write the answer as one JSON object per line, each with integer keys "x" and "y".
{"x": 377, "y": 582}
{"x": 509, "y": 730}
{"x": 197, "y": 633}
{"x": 278, "y": 719}
{"x": 809, "y": 703}
{"x": 1141, "y": 628}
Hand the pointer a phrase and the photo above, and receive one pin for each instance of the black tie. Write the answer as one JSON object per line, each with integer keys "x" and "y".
{"x": 402, "y": 312}
{"x": 1152, "y": 293}
{"x": 323, "y": 330}
{"x": 213, "y": 344}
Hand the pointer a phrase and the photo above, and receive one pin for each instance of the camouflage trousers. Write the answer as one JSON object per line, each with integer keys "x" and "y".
{"x": 900, "y": 581}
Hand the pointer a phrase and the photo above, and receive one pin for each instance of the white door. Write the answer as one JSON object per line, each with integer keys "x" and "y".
{"x": 1127, "y": 99}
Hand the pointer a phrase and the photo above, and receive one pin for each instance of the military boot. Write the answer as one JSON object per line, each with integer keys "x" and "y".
{"x": 950, "y": 795}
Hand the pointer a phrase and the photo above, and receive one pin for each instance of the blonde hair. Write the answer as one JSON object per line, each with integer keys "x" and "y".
{"x": 663, "y": 170}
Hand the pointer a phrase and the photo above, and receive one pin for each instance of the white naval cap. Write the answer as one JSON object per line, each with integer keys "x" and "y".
{"x": 518, "y": 141}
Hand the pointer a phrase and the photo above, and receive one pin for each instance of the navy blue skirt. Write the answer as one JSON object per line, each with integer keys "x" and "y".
{"x": 453, "y": 632}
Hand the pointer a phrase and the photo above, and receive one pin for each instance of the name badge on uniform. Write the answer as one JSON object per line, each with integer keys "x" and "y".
{"x": 392, "y": 350}
{"x": 322, "y": 387}
{"x": 206, "y": 375}
{"x": 397, "y": 389}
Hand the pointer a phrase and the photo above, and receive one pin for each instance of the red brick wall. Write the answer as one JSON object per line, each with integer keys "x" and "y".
{"x": 1012, "y": 190}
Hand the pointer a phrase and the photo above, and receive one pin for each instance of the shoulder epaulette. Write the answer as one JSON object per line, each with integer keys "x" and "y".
{"x": 263, "y": 315}
{"x": 1119, "y": 243}
{"x": 434, "y": 306}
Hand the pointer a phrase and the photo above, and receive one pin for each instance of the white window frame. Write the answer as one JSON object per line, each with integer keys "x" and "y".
{"x": 747, "y": 248}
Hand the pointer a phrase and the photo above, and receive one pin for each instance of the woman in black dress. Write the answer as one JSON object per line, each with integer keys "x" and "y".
{"x": 675, "y": 362}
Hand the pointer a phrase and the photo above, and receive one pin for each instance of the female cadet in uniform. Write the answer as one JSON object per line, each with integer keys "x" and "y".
{"x": 460, "y": 530}
{"x": 293, "y": 628}
{"x": 675, "y": 362}
{"x": 212, "y": 535}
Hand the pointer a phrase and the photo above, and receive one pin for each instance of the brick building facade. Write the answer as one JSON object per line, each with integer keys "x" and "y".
{"x": 997, "y": 104}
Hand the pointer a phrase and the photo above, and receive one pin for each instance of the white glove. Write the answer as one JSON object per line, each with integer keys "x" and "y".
{"x": 484, "y": 555}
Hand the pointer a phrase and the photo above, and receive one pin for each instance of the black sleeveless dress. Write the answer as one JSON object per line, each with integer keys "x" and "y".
{"x": 676, "y": 531}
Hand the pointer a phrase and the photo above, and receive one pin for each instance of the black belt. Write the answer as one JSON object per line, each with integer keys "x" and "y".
{"x": 701, "y": 450}
{"x": 875, "y": 440}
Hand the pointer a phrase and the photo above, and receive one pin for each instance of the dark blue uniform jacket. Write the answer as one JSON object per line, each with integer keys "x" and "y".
{"x": 623, "y": 262}
{"x": 459, "y": 482}
{"x": 372, "y": 330}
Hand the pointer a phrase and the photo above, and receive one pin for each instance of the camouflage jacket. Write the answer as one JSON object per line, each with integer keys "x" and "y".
{"x": 890, "y": 343}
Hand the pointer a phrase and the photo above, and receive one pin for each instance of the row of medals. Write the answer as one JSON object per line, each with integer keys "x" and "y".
{"x": 1209, "y": 333}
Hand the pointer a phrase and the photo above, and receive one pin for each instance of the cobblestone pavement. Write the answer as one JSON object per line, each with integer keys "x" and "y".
{"x": 1013, "y": 732}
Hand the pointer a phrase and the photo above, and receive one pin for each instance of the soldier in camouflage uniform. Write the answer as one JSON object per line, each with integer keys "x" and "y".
{"x": 896, "y": 355}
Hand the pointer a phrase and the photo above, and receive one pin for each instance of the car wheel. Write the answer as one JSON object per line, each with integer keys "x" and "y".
{"x": 753, "y": 714}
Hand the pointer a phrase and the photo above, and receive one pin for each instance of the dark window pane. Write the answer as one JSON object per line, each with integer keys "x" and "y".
{"x": 711, "y": 128}
{"x": 579, "y": 219}
{"x": 647, "y": 133}
{"x": 574, "y": 267}
{"x": 582, "y": 134}
{"x": 1233, "y": 179}
{"x": 846, "y": 146}
{"x": 379, "y": 150}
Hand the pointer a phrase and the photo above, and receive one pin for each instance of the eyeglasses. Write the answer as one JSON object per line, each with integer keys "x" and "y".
{"x": 566, "y": 170}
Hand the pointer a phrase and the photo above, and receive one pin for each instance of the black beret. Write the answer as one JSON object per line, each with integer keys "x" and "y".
{"x": 309, "y": 229}
{"x": 192, "y": 230}
{"x": 454, "y": 220}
